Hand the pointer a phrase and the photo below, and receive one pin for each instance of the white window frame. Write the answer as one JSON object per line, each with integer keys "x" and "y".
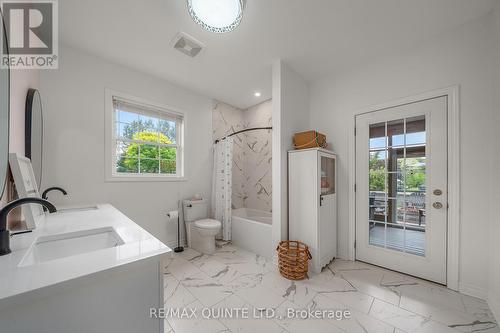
{"x": 110, "y": 137}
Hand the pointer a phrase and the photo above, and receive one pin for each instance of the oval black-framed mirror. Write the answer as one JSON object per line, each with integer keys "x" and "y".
{"x": 33, "y": 133}
{"x": 4, "y": 110}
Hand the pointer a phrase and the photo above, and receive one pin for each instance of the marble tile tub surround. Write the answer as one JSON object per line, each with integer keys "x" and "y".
{"x": 252, "y": 159}
{"x": 379, "y": 300}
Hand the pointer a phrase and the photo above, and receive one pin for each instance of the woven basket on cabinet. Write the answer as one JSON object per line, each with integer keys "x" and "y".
{"x": 293, "y": 259}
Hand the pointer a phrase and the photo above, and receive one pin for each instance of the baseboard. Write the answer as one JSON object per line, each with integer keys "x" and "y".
{"x": 473, "y": 291}
{"x": 494, "y": 304}
{"x": 173, "y": 243}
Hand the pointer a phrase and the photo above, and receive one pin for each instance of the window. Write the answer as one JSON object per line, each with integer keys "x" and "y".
{"x": 146, "y": 140}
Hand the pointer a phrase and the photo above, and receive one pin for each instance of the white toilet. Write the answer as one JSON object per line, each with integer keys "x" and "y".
{"x": 201, "y": 230}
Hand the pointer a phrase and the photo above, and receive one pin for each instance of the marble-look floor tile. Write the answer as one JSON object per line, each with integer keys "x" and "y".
{"x": 295, "y": 324}
{"x": 175, "y": 294}
{"x": 249, "y": 267}
{"x": 369, "y": 282}
{"x": 244, "y": 261}
{"x": 188, "y": 254}
{"x": 200, "y": 259}
{"x": 464, "y": 313}
{"x": 167, "y": 261}
{"x": 206, "y": 289}
{"x": 218, "y": 271}
{"x": 245, "y": 281}
{"x": 462, "y": 321}
{"x": 260, "y": 297}
{"x": 379, "y": 300}
{"x": 326, "y": 281}
{"x": 340, "y": 265}
{"x": 227, "y": 255}
{"x": 182, "y": 269}
{"x": 294, "y": 291}
{"x": 335, "y": 286}
{"x": 252, "y": 323}
{"x": 429, "y": 294}
{"x": 405, "y": 320}
{"x": 356, "y": 322}
{"x": 477, "y": 326}
{"x": 353, "y": 299}
{"x": 196, "y": 324}
{"x": 477, "y": 307}
{"x": 166, "y": 327}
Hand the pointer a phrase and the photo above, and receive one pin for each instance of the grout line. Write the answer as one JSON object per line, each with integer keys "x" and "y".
{"x": 371, "y": 305}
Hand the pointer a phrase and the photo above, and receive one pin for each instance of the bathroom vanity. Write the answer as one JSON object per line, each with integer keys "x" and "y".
{"x": 88, "y": 269}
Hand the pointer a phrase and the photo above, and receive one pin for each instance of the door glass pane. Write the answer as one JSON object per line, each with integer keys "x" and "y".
{"x": 378, "y": 208}
{"x": 395, "y": 237}
{"x": 377, "y": 234}
{"x": 396, "y": 133}
{"x": 327, "y": 175}
{"x": 415, "y": 131}
{"x": 397, "y": 176}
{"x": 377, "y": 165}
{"x": 377, "y": 136}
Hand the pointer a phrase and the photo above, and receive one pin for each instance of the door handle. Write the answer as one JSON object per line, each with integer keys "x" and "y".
{"x": 320, "y": 200}
{"x": 437, "y": 192}
{"x": 437, "y": 205}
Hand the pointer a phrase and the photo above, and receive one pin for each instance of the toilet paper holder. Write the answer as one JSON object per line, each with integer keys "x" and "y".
{"x": 175, "y": 214}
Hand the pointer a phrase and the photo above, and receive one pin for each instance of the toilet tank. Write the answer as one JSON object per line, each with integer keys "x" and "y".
{"x": 194, "y": 210}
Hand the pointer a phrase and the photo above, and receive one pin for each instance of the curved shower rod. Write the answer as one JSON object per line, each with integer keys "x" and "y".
{"x": 244, "y": 130}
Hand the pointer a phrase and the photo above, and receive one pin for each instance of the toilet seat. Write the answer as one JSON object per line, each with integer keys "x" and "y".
{"x": 207, "y": 224}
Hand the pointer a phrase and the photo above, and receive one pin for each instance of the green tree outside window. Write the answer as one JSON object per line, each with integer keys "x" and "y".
{"x": 148, "y": 157}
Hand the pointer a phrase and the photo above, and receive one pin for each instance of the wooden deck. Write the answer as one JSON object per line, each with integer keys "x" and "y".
{"x": 415, "y": 240}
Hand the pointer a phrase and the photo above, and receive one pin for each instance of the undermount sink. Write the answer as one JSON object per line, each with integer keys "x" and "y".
{"x": 77, "y": 209}
{"x": 58, "y": 246}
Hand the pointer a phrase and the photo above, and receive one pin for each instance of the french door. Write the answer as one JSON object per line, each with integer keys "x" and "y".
{"x": 401, "y": 188}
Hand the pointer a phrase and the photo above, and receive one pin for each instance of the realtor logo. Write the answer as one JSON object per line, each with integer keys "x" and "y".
{"x": 32, "y": 34}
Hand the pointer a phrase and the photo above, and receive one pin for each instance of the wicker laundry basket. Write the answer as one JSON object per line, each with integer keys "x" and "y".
{"x": 293, "y": 259}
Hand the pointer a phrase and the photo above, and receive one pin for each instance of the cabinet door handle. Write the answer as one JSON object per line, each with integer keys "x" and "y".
{"x": 320, "y": 200}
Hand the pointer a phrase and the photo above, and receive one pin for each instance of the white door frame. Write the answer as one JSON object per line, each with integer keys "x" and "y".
{"x": 454, "y": 172}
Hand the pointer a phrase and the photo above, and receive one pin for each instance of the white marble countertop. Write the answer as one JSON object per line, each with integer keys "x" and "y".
{"x": 138, "y": 245}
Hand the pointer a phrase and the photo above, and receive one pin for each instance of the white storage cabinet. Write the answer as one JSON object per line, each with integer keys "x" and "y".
{"x": 312, "y": 205}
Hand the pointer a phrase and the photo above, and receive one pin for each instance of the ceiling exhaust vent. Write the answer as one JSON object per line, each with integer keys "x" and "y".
{"x": 187, "y": 44}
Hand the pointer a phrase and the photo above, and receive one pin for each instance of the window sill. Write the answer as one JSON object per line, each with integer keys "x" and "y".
{"x": 114, "y": 179}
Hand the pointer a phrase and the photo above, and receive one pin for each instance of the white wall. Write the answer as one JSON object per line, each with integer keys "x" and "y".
{"x": 494, "y": 296}
{"x": 290, "y": 115}
{"x": 73, "y": 102}
{"x": 462, "y": 57}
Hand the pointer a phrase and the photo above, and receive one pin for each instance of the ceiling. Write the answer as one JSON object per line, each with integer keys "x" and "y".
{"x": 315, "y": 37}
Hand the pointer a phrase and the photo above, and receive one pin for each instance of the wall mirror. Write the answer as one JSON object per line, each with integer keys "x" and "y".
{"x": 4, "y": 115}
{"x": 34, "y": 133}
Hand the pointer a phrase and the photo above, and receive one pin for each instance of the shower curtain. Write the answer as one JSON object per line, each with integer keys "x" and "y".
{"x": 221, "y": 185}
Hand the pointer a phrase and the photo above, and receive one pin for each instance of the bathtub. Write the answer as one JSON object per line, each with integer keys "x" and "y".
{"x": 252, "y": 231}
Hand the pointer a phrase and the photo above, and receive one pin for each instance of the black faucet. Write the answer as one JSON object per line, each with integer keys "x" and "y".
{"x": 55, "y": 188}
{"x": 4, "y": 212}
